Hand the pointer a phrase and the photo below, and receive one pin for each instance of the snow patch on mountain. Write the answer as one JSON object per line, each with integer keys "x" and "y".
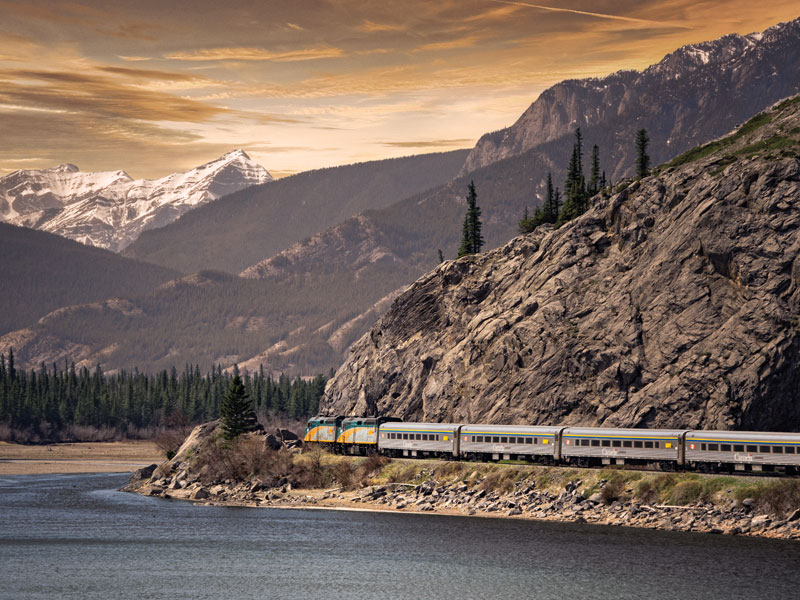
{"x": 110, "y": 209}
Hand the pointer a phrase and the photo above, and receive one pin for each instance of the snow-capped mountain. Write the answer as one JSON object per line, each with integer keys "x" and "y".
{"x": 694, "y": 94}
{"x": 110, "y": 209}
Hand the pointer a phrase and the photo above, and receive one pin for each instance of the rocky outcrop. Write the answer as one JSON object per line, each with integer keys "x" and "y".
{"x": 672, "y": 302}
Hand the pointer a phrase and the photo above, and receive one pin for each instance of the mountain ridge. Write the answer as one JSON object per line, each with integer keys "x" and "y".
{"x": 109, "y": 209}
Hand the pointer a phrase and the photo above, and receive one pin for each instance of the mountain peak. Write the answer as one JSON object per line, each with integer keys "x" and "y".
{"x": 65, "y": 168}
{"x": 749, "y": 72}
{"x": 238, "y": 153}
{"x": 110, "y": 209}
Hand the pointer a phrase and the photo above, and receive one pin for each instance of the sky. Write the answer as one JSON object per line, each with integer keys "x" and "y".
{"x": 154, "y": 87}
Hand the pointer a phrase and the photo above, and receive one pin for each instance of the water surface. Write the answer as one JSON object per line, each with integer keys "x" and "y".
{"x": 75, "y": 536}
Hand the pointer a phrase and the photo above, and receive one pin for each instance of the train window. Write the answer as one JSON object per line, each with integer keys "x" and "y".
{"x": 752, "y": 448}
{"x": 606, "y": 443}
{"x": 648, "y": 444}
{"x": 626, "y": 444}
{"x": 764, "y": 449}
{"x": 637, "y": 444}
{"x": 528, "y": 441}
{"x": 585, "y": 442}
{"x": 616, "y": 443}
{"x": 777, "y": 449}
{"x": 725, "y": 447}
{"x": 495, "y": 440}
{"x": 789, "y": 449}
{"x": 738, "y": 447}
{"x": 657, "y": 444}
{"x": 503, "y": 440}
{"x": 436, "y": 437}
{"x": 702, "y": 447}
{"x": 479, "y": 438}
{"x": 595, "y": 442}
{"x": 713, "y": 447}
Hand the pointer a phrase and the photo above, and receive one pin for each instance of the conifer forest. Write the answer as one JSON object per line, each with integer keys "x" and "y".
{"x": 63, "y": 402}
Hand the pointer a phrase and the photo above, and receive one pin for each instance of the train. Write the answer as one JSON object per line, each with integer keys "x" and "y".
{"x": 663, "y": 449}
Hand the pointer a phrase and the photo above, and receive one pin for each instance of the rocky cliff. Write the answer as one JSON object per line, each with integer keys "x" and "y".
{"x": 672, "y": 302}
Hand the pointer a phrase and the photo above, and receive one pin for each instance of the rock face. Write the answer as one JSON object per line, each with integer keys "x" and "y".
{"x": 671, "y": 303}
{"x": 109, "y": 210}
{"x": 694, "y": 94}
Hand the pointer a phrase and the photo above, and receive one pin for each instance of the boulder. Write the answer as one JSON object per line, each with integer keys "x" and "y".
{"x": 272, "y": 442}
{"x": 200, "y": 494}
{"x": 143, "y": 474}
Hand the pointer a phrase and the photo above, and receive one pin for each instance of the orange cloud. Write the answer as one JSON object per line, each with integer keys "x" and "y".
{"x": 256, "y": 54}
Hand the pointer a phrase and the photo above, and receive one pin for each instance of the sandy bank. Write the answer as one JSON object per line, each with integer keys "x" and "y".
{"x": 89, "y": 457}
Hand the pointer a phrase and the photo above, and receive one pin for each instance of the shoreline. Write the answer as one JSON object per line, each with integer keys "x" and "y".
{"x": 567, "y": 507}
{"x": 77, "y": 457}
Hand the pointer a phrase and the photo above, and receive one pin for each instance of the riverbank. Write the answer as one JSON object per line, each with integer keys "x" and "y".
{"x": 85, "y": 457}
{"x": 207, "y": 471}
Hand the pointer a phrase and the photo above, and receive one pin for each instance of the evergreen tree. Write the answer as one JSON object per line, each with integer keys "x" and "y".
{"x": 642, "y": 159}
{"x": 471, "y": 237}
{"x": 594, "y": 177}
{"x": 441, "y": 256}
{"x": 576, "y": 199}
{"x": 550, "y": 210}
{"x": 236, "y": 410}
{"x": 526, "y": 224}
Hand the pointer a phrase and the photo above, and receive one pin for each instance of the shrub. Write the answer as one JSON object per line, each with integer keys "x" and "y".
{"x": 344, "y": 473}
{"x": 612, "y": 490}
{"x": 686, "y": 492}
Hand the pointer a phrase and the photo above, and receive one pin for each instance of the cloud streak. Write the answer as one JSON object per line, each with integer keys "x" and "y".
{"x": 583, "y": 13}
{"x": 256, "y": 54}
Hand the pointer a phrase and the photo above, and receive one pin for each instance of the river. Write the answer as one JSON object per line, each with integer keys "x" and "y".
{"x": 75, "y": 536}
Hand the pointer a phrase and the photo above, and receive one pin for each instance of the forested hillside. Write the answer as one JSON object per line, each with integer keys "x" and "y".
{"x": 238, "y": 230}
{"x": 209, "y": 318}
{"x": 41, "y": 272}
{"x": 64, "y": 402}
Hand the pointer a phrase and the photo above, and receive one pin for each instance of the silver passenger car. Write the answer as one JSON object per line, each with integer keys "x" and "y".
{"x": 618, "y": 446}
{"x": 418, "y": 439}
{"x": 745, "y": 450}
{"x": 504, "y": 442}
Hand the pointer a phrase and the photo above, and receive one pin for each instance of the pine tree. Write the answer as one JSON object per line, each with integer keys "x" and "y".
{"x": 441, "y": 256}
{"x": 525, "y": 224}
{"x": 550, "y": 210}
{"x": 236, "y": 410}
{"x": 594, "y": 177}
{"x": 575, "y": 201}
{"x": 642, "y": 159}
{"x": 471, "y": 237}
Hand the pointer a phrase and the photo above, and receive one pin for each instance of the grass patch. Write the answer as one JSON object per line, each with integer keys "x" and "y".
{"x": 775, "y": 497}
{"x": 707, "y": 149}
{"x": 776, "y": 142}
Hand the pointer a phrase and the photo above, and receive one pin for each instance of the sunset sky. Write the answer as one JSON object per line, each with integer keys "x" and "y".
{"x": 155, "y": 87}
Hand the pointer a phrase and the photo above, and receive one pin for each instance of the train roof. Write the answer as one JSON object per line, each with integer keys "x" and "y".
{"x": 621, "y": 432}
{"x": 547, "y": 430}
{"x": 753, "y": 436}
{"x": 406, "y": 426}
